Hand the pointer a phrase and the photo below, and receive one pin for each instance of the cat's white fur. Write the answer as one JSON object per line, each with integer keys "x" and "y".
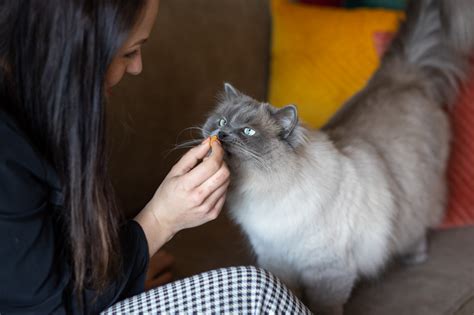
{"x": 327, "y": 219}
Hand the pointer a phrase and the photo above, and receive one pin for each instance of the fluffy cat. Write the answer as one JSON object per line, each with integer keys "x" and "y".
{"x": 323, "y": 208}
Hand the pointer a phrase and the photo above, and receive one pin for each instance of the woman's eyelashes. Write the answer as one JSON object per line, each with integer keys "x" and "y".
{"x": 131, "y": 54}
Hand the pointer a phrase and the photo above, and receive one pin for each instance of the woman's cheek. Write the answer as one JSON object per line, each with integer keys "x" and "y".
{"x": 115, "y": 74}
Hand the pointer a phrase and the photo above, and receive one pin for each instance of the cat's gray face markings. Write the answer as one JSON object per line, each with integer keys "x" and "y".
{"x": 249, "y": 130}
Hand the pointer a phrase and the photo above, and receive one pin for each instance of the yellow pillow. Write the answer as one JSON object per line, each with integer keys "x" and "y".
{"x": 322, "y": 56}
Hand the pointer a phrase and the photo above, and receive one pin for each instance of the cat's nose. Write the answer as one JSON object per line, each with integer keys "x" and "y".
{"x": 222, "y": 135}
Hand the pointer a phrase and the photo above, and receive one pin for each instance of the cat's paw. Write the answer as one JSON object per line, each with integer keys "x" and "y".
{"x": 415, "y": 258}
{"x": 418, "y": 255}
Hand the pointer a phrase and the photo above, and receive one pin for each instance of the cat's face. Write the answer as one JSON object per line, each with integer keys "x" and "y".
{"x": 251, "y": 133}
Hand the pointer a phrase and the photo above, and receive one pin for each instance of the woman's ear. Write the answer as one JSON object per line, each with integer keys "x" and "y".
{"x": 287, "y": 118}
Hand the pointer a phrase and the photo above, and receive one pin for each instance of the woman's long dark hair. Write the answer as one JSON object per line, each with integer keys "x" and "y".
{"x": 54, "y": 55}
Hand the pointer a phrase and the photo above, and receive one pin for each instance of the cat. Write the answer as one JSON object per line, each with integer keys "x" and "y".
{"x": 325, "y": 208}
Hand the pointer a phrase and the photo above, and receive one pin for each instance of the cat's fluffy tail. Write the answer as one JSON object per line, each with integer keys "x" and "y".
{"x": 458, "y": 21}
{"x": 436, "y": 38}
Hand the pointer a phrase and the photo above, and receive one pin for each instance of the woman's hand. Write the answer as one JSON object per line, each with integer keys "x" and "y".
{"x": 192, "y": 194}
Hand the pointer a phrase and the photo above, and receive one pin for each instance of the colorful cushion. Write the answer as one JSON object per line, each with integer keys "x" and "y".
{"x": 392, "y": 4}
{"x": 334, "y": 3}
{"x": 321, "y": 56}
{"x": 461, "y": 164}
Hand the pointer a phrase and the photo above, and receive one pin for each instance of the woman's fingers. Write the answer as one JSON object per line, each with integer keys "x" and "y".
{"x": 190, "y": 159}
{"x": 159, "y": 262}
{"x": 159, "y": 269}
{"x": 214, "y": 213}
{"x": 206, "y": 169}
{"x": 159, "y": 281}
{"x": 214, "y": 197}
{"x": 203, "y": 192}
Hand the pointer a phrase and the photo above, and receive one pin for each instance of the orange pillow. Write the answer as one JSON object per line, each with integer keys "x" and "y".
{"x": 321, "y": 56}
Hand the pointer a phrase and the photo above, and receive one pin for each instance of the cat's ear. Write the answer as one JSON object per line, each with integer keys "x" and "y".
{"x": 288, "y": 119}
{"x": 230, "y": 91}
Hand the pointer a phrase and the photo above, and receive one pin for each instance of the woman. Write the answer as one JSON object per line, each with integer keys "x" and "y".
{"x": 63, "y": 246}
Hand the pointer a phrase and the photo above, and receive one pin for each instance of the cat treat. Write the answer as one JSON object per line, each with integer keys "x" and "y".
{"x": 213, "y": 139}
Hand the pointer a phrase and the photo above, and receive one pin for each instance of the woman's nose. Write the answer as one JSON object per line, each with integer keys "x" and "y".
{"x": 136, "y": 66}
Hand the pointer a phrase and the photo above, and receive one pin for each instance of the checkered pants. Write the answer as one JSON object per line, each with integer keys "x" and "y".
{"x": 234, "y": 290}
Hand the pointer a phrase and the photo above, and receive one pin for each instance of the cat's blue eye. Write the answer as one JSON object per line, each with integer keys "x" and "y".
{"x": 222, "y": 122}
{"x": 249, "y": 131}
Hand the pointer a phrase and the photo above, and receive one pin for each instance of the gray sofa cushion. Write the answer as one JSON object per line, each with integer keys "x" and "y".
{"x": 442, "y": 285}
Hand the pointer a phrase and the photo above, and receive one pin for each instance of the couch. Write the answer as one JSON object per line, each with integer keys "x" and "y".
{"x": 196, "y": 47}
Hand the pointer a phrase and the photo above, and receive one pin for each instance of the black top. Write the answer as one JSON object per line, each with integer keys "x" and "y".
{"x": 35, "y": 277}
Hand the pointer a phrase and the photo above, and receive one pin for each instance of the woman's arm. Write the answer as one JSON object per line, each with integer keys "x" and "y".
{"x": 33, "y": 274}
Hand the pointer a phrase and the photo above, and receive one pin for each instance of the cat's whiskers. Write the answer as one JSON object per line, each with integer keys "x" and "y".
{"x": 193, "y": 128}
{"x": 190, "y": 143}
{"x": 252, "y": 154}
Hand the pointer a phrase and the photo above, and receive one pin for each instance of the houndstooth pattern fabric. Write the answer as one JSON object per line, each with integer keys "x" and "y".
{"x": 234, "y": 290}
